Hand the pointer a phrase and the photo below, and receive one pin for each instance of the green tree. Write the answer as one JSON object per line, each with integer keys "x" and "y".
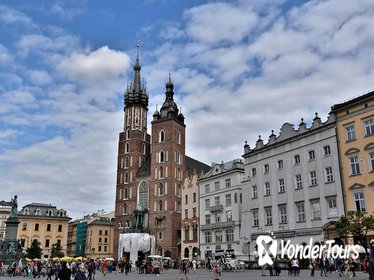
{"x": 357, "y": 225}
{"x": 57, "y": 251}
{"x": 34, "y": 251}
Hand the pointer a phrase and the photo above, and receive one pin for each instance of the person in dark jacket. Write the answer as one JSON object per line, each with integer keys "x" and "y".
{"x": 64, "y": 273}
{"x": 81, "y": 273}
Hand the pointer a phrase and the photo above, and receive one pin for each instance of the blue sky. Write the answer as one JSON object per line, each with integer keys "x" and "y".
{"x": 240, "y": 69}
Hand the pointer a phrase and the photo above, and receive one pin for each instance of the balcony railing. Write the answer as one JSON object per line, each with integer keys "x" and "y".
{"x": 219, "y": 225}
{"x": 216, "y": 208}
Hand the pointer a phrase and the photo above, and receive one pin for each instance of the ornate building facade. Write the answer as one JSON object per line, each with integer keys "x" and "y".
{"x": 355, "y": 134}
{"x": 221, "y": 209}
{"x": 5, "y": 208}
{"x": 45, "y": 223}
{"x": 151, "y": 169}
{"x": 190, "y": 218}
{"x": 293, "y": 185}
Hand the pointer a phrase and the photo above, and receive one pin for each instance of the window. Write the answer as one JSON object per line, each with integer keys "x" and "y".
{"x": 48, "y": 227}
{"x": 194, "y": 212}
{"x": 371, "y": 160}
{"x": 218, "y": 236}
{"x": 313, "y": 178}
{"x": 216, "y": 201}
{"x": 350, "y": 133}
{"x": 100, "y": 232}
{"x": 179, "y": 138}
{"x": 329, "y": 175}
{"x": 207, "y": 188}
{"x": 36, "y": 227}
{"x": 359, "y": 200}
{"x": 296, "y": 159}
{"x": 267, "y": 188}
{"x": 49, "y": 213}
{"x": 228, "y": 199}
{"x": 369, "y": 126}
{"x": 355, "y": 165}
{"x": 327, "y": 150}
{"x": 283, "y": 214}
{"x": 99, "y": 249}
{"x": 24, "y": 226}
{"x": 282, "y": 187}
{"x": 186, "y": 199}
{"x": 229, "y": 216}
{"x": 187, "y": 233}
{"x": 333, "y": 212}
{"x": 316, "y": 211}
{"x": 268, "y": 216}
{"x": 127, "y": 148}
{"x": 160, "y": 206}
{"x": 46, "y": 244}
{"x": 217, "y": 217}
{"x": 161, "y": 172}
{"x": 300, "y": 212}
{"x": 255, "y": 218}
{"x": 186, "y": 213}
{"x": 161, "y": 136}
{"x": 229, "y": 235}
{"x": 144, "y": 195}
{"x": 38, "y": 212}
{"x": 254, "y": 172}
{"x": 280, "y": 164}
{"x": 207, "y": 203}
{"x": 254, "y": 191}
{"x": 178, "y": 157}
{"x": 162, "y": 156}
{"x": 216, "y": 186}
{"x": 194, "y": 197}
{"x": 228, "y": 183}
{"x": 266, "y": 168}
{"x": 208, "y": 237}
{"x": 298, "y": 181}
{"x": 312, "y": 155}
{"x": 207, "y": 219}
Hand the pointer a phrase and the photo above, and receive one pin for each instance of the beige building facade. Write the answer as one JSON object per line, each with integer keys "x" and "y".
{"x": 355, "y": 133}
{"x": 45, "y": 223}
{"x": 190, "y": 218}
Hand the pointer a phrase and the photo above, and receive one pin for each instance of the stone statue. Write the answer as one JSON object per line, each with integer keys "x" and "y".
{"x": 14, "y": 211}
{"x": 11, "y": 248}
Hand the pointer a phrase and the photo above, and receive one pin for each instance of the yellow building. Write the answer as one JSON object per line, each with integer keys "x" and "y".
{"x": 92, "y": 236}
{"x": 355, "y": 133}
{"x": 45, "y": 223}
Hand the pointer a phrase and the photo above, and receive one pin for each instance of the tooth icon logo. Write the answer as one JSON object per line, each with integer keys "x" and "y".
{"x": 266, "y": 246}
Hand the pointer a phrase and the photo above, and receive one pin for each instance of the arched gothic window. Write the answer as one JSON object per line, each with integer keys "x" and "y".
{"x": 144, "y": 195}
{"x": 127, "y": 148}
{"x": 162, "y": 156}
{"x": 161, "y": 137}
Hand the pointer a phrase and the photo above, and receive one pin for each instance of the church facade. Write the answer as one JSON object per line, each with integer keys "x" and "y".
{"x": 151, "y": 170}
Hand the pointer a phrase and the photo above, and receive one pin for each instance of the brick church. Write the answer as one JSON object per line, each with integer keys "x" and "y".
{"x": 151, "y": 169}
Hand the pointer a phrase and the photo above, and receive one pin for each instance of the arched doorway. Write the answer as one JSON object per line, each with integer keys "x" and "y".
{"x": 186, "y": 253}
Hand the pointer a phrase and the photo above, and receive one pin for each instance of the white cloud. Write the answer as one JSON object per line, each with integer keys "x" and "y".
{"x": 38, "y": 77}
{"x": 219, "y": 22}
{"x": 95, "y": 68}
{"x": 14, "y": 17}
{"x": 5, "y": 56}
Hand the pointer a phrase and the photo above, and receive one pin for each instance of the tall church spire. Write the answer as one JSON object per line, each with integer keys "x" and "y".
{"x": 137, "y": 94}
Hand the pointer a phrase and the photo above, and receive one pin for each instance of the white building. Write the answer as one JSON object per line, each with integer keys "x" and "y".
{"x": 293, "y": 184}
{"x": 190, "y": 218}
{"x": 220, "y": 209}
{"x": 5, "y": 208}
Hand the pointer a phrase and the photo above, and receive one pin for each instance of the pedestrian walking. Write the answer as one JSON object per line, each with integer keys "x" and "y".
{"x": 216, "y": 271}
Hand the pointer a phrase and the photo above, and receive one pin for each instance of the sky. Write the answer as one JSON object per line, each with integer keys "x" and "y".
{"x": 240, "y": 69}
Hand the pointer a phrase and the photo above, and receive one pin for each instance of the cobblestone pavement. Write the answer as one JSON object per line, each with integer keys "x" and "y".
{"x": 203, "y": 274}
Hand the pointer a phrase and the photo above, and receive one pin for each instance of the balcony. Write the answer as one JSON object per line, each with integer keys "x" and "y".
{"x": 216, "y": 208}
{"x": 220, "y": 225}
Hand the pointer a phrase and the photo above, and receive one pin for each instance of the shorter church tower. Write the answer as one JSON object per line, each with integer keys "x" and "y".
{"x": 167, "y": 175}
